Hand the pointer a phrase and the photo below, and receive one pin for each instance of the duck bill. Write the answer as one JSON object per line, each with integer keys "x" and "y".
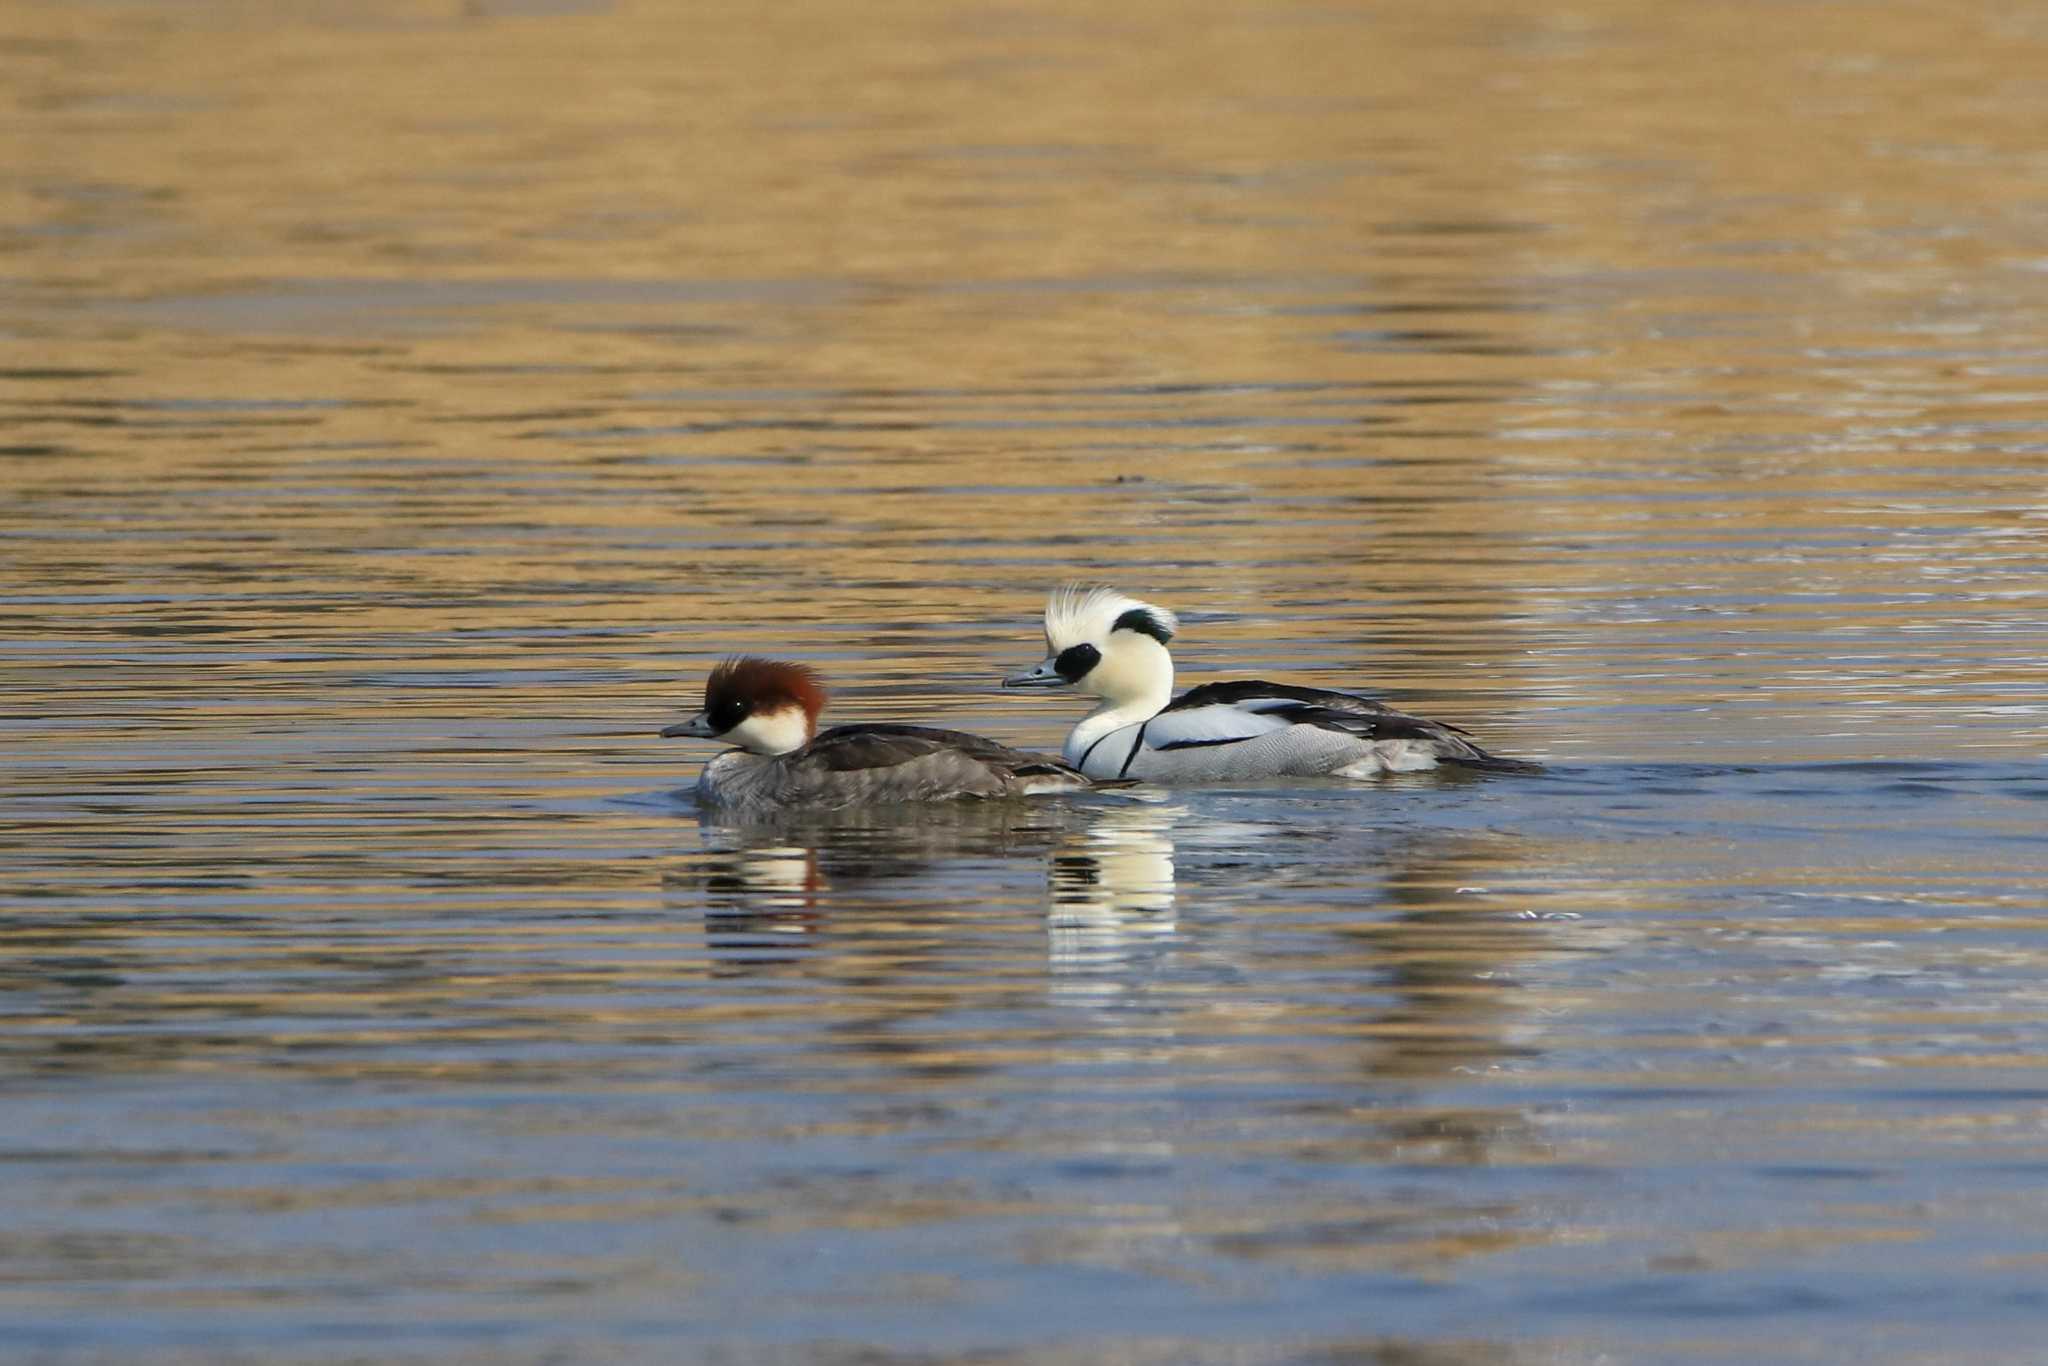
{"x": 697, "y": 728}
{"x": 1044, "y": 674}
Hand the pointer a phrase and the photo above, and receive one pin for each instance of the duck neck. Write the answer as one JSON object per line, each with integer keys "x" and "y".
{"x": 779, "y": 730}
{"x": 737, "y": 778}
{"x": 1135, "y": 684}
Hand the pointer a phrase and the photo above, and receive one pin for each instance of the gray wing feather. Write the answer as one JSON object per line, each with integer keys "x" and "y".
{"x": 929, "y": 759}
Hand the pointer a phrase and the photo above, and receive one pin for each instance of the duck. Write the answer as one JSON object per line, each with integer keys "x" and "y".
{"x": 768, "y": 709}
{"x": 1112, "y": 646}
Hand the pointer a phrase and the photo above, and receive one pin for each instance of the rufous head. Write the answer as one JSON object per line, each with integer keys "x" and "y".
{"x": 764, "y": 706}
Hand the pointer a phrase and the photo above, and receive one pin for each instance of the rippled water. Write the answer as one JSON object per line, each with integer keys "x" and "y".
{"x": 404, "y": 404}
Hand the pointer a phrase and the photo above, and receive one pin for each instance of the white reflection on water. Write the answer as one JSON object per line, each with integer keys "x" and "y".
{"x": 1111, "y": 883}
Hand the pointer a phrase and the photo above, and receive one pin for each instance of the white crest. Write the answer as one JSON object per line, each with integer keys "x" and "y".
{"x": 1078, "y": 614}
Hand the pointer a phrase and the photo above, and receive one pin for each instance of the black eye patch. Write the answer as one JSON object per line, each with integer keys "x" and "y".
{"x": 728, "y": 713}
{"x": 1144, "y": 623}
{"x": 1075, "y": 661}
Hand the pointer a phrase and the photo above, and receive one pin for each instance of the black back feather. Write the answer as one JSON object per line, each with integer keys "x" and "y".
{"x": 1343, "y": 711}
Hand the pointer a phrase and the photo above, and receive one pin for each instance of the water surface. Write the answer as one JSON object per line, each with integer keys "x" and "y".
{"x": 404, "y": 405}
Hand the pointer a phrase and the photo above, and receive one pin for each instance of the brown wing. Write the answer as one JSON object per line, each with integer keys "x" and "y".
{"x": 848, "y": 749}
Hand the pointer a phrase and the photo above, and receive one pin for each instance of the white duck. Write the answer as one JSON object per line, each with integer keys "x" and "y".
{"x": 1113, "y": 647}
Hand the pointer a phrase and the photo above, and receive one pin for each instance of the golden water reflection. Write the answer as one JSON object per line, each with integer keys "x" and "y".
{"x": 858, "y": 900}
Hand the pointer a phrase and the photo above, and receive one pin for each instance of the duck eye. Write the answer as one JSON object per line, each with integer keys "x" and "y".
{"x": 1075, "y": 661}
{"x": 729, "y": 712}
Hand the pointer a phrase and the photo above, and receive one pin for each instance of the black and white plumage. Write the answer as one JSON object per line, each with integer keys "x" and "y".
{"x": 770, "y": 710}
{"x": 1250, "y": 728}
{"x": 1114, "y": 647}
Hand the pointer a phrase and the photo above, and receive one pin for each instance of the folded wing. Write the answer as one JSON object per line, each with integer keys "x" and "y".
{"x": 937, "y": 759}
{"x": 1233, "y": 712}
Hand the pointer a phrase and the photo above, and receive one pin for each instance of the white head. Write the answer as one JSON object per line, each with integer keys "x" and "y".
{"x": 762, "y": 705}
{"x": 1106, "y": 644}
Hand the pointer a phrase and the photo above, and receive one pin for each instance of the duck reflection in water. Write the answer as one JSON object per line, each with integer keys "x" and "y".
{"x": 1112, "y": 890}
{"x": 770, "y": 886}
{"x": 1369, "y": 978}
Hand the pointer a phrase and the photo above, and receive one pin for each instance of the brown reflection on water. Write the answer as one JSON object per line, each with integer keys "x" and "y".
{"x": 1138, "y": 1007}
{"x": 845, "y": 901}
